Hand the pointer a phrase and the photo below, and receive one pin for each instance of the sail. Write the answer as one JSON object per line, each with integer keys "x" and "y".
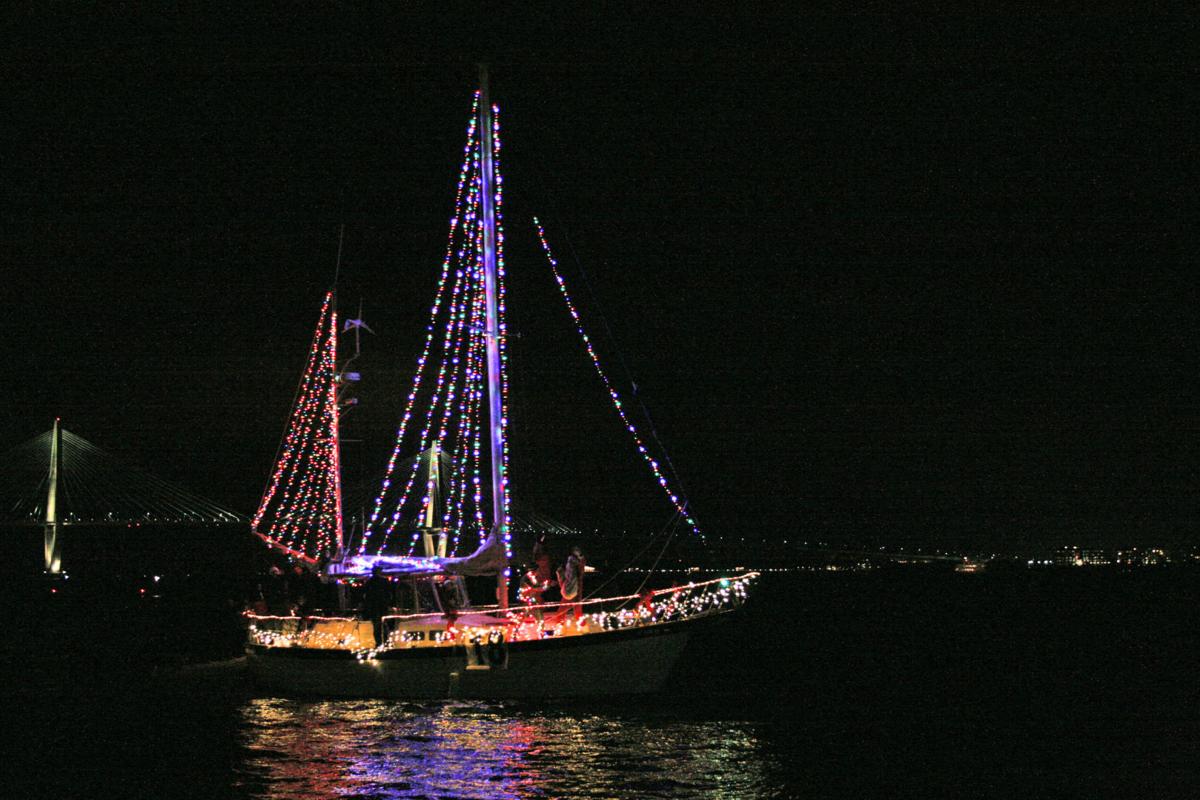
{"x": 490, "y": 558}
{"x": 301, "y": 509}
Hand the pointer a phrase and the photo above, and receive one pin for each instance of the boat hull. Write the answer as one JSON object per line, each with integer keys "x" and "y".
{"x": 630, "y": 661}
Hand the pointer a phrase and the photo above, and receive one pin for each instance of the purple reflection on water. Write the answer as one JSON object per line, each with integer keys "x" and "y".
{"x": 486, "y": 750}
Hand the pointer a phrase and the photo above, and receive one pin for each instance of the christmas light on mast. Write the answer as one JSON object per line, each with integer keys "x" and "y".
{"x": 459, "y": 389}
{"x": 301, "y": 510}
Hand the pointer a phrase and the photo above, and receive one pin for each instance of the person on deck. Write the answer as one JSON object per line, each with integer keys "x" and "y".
{"x": 377, "y": 601}
{"x": 447, "y": 590}
{"x": 570, "y": 582}
{"x": 536, "y": 580}
{"x": 303, "y": 587}
{"x": 275, "y": 591}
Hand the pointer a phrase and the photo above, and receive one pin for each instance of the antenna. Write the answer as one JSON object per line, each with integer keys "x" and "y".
{"x": 337, "y": 267}
{"x": 344, "y": 375}
{"x": 357, "y": 325}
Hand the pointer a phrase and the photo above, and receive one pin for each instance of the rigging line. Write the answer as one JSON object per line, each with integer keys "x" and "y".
{"x": 309, "y": 497}
{"x": 469, "y": 425}
{"x": 670, "y": 526}
{"x": 295, "y": 532}
{"x": 298, "y": 446}
{"x": 460, "y": 212}
{"x": 673, "y": 493}
{"x": 599, "y": 312}
{"x": 670, "y": 467}
{"x": 674, "y": 527}
{"x": 436, "y": 400}
{"x": 337, "y": 267}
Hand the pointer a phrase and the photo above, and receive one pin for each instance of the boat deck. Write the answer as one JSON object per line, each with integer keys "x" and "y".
{"x": 491, "y": 625}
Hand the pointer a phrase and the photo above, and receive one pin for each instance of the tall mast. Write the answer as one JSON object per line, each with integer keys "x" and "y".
{"x": 52, "y": 546}
{"x": 492, "y": 334}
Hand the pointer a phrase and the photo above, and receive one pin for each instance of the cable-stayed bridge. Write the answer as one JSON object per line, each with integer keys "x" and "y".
{"x": 59, "y": 479}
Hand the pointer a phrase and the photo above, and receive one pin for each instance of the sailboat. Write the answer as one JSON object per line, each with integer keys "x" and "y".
{"x": 426, "y": 638}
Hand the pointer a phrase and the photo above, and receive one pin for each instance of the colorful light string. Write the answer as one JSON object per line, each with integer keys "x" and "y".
{"x": 456, "y": 222}
{"x": 502, "y": 325}
{"x": 677, "y": 500}
{"x": 448, "y": 388}
{"x": 678, "y": 603}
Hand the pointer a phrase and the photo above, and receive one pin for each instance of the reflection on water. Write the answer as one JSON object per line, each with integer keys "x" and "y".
{"x": 377, "y": 748}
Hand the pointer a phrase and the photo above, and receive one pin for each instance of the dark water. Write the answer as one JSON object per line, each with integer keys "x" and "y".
{"x": 377, "y": 749}
{"x": 906, "y": 683}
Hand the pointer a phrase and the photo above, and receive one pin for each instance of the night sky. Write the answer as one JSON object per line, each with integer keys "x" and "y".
{"x": 886, "y": 279}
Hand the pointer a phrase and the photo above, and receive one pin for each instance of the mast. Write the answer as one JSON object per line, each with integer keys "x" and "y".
{"x": 492, "y": 333}
{"x": 52, "y": 549}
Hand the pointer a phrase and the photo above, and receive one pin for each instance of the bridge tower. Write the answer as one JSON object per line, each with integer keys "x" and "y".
{"x": 52, "y": 546}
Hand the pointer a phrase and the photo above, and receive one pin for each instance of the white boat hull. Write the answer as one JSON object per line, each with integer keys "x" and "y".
{"x": 628, "y": 661}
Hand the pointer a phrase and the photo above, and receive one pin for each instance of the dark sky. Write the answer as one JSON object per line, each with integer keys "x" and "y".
{"x": 906, "y": 280}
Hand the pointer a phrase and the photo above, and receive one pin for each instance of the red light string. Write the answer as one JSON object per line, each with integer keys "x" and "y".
{"x": 293, "y": 430}
{"x": 301, "y": 507}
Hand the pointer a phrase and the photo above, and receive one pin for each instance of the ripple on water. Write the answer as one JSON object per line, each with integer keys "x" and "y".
{"x": 294, "y": 749}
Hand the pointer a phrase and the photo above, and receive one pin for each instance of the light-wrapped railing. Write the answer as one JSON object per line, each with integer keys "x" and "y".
{"x": 515, "y": 624}
{"x": 674, "y": 603}
{"x": 337, "y": 633}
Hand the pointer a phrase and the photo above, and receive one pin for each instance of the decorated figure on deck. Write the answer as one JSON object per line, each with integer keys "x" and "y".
{"x": 570, "y": 582}
{"x": 538, "y": 579}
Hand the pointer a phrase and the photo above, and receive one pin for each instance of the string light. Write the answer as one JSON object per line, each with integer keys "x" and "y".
{"x": 297, "y": 422}
{"x": 689, "y": 601}
{"x": 502, "y": 325}
{"x": 457, "y": 222}
{"x": 677, "y": 500}
{"x": 454, "y": 355}
{"x": 300, "y": 512}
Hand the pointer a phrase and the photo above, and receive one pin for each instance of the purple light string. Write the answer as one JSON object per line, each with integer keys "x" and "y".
{"x": 498, "y": 183}
{"x": 456, "y": 223}
{"x": 458, "y": 386}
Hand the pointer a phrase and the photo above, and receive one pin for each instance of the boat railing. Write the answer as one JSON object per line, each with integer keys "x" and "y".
{"x": 317, "y": 631}
{"x": 516, "y": 623}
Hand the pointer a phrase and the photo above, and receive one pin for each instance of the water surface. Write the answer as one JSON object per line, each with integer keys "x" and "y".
{"x": 899, "y": 684}
{"x": 381, "y": 749}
